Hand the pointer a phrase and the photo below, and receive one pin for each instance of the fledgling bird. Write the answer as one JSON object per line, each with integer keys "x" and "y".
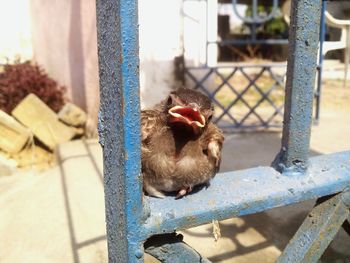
{"x": 181, "y": 147}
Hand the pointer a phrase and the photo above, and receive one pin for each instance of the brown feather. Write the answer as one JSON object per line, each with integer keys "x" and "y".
{"x": 173, "y": 159}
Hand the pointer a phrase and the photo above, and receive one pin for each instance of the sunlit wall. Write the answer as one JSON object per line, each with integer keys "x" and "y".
{"x": 15, "y": 30}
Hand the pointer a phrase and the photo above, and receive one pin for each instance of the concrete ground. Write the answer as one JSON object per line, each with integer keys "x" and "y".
{"x": 58, "y": 215}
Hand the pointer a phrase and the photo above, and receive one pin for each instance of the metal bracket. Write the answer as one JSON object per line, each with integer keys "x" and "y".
{"x": 317, "y": 230}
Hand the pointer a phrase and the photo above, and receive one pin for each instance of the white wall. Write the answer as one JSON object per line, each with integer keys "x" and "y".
{"x": 15, "y": 30}
{"x": 64, "y": 35}
{"x": 160, "y": 42}
{"x": 169, "y": 28}
{"x": 200, "y": 25}
{"x": 65, "y": 44}
{"x": 61, "y": 36}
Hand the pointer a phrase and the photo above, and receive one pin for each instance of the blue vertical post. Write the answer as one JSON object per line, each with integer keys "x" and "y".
{"x": 119, "y": 127}
{"x": 301, "y": 71}
{"x": 320, "y": 61}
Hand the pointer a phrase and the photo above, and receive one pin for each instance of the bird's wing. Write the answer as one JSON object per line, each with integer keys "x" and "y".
{"x": 150, "y": 119}
{"x": 212, "y": 140}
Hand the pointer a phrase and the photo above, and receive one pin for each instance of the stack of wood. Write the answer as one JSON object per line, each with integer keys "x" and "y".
{"x": 30, "y": 136}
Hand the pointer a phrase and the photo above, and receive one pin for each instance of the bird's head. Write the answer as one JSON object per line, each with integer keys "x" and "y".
{"x": 190, "y": 109}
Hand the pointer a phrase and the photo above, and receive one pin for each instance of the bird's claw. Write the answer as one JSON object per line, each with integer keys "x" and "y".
{"x": 183, "y": 191}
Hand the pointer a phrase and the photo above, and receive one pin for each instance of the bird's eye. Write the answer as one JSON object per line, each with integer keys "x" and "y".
{"x": 209, "y": 118}
{"x": 170, "y": 100}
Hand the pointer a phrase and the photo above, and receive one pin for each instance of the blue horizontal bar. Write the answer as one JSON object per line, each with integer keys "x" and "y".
{"x": 252, "y": 41}
{"x": 228, "y": 127}
{"x": 239, "y": 65}
{"x": 248, "y": 191}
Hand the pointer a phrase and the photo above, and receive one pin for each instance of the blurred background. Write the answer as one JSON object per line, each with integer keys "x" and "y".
{"x": 51, "y": 179}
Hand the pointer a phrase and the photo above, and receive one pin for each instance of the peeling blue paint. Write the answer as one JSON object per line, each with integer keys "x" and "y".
{"x": 132, "y": 218}
{"x": 119, "y": 127}
{"x": 301, "y": 70}
{"x": 249, "y": 191}
{"x": 317, "y": 231}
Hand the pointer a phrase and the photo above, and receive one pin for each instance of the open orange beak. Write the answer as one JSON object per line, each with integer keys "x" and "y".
{"x": 188, "y": 115}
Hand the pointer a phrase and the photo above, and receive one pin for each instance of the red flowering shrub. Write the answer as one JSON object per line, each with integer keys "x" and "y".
{"x": 19, "y": 79}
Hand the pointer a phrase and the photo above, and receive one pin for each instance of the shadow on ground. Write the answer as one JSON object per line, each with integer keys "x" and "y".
{"x": 93, "y": 159}
{"x": 254, "y": 238}
{"x": 260, "y": 237}
{"x": 58, "y": 216}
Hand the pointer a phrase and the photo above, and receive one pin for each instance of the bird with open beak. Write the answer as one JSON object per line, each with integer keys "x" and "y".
{"x": 181, "y": 147}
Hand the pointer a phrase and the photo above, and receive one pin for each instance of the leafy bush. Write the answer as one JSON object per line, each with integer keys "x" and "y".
{"x": 275, "y": 27}
{"x": 19, "y": 79}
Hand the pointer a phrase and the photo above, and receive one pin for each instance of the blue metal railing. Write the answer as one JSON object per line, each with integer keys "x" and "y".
{"x": 225, "y": 119}
{"x": 257, "y": 118}
{"x": 132, "y": 218}
{"x": 119, "y": 127}
{"x": 320, "y": 62}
